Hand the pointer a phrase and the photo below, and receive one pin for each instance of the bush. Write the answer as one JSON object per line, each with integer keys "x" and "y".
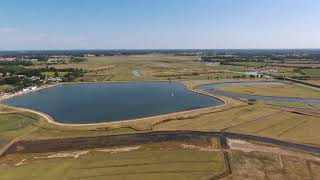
{"x": 252, "y": 101}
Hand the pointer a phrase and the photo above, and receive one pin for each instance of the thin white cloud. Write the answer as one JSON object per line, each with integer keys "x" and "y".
{"x": 43, "y": 35}
{"x": 8, "y": 29}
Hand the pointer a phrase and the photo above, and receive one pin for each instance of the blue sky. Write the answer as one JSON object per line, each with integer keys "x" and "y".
{"x": 158, "y": 24}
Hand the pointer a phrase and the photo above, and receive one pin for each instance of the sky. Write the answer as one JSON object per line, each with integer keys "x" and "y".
{"x": 159, "y": 24}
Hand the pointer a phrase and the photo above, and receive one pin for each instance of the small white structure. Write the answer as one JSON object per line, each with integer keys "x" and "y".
{"x": 22, "y": 76}
{"x": 54, "y": 79}
{"x": 273, "y": 70}
{"x": 33, "y": 78}
{"x": 29, "y": 89}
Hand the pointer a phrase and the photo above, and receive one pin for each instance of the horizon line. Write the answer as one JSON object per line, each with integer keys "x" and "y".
{"x": 159, "y": 49}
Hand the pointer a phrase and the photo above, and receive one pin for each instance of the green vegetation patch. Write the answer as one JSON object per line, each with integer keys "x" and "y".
{"x": 311, "y": 72}
{"x": 62, "y": 132}
{"x": 9, "y": 122}
{"x": 61, "y": 74}
{"x": 6, "y": 88}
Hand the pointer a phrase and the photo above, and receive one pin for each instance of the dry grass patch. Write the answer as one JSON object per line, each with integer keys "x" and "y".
{"x": 285, "y": 90}
{"x": 152, "y": 161}
{"x": 256, "y": 165}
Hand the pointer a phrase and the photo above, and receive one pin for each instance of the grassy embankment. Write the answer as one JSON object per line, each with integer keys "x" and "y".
{"x": 285, "y": 90}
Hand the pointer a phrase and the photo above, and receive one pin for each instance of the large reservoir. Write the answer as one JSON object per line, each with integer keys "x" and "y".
{"x": 106, "y": 102}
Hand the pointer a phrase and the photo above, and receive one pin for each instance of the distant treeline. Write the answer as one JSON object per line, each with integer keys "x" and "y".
{"x": 72, "y": 74}
{"x": 10, "y": 75}
{"x": 15, "y": 63}
{"x": 237, "y": 52}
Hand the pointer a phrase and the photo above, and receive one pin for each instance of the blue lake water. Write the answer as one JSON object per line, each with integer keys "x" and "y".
{"x": 106, "y": 102}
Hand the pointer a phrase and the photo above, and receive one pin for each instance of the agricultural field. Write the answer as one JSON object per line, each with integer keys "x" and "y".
{"x": 295, "y": 105}
{"x": 277, "y": 90}
{"x": 149, "y": 67}
{"x": 260, "y": 119}
{"x": 172, "y": 160}
{"x": 258, "y": 165}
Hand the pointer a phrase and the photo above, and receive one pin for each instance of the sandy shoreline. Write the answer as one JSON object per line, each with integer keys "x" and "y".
{"x": 22, "y": 93}
{"x": 51, "y": 120}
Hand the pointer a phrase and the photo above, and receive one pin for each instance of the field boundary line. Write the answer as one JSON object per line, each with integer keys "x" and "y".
{"x": 247, "y": 122}
{"x": 142, "y": 164}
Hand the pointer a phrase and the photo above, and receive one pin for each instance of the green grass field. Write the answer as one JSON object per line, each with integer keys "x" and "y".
{"x": 13, "y": 125}
{"x": 11, "y": 122}
{"x": 51, "y": 74}
{"x": 312, "y": 72}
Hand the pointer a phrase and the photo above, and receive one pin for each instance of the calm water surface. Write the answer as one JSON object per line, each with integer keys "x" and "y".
{"x": 106, "y": 102}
